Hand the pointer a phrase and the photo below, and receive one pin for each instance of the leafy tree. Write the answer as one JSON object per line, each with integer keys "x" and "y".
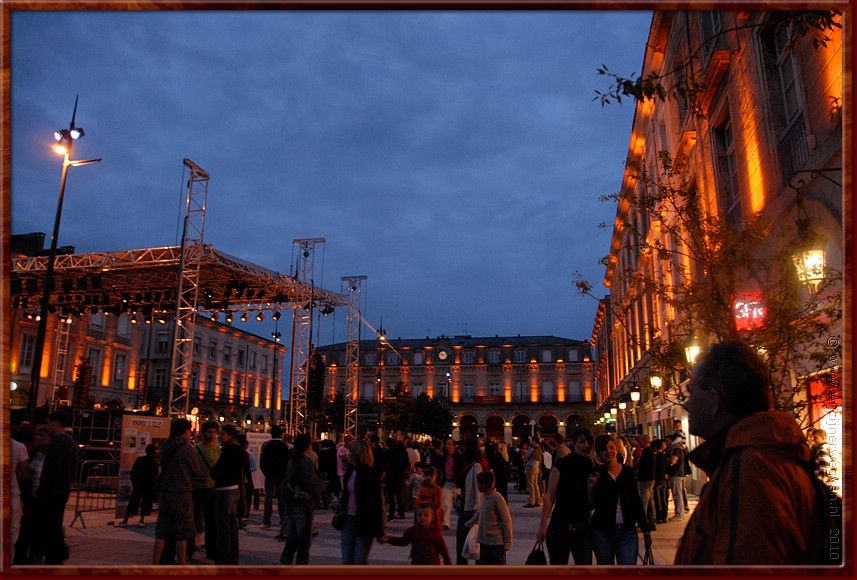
{"x": 685, "y": 81}
{"x": 398, "y": 408}
{"x": 695, "y": 267}
{"x": 432, "y": 416}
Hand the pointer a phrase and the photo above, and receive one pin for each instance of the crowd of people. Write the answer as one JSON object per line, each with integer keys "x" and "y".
{"x": 597, "y": 495}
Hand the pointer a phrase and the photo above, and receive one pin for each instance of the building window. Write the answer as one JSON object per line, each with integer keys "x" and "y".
{"x": 442, "y": 389}
{"x": 787, "y": 73}
{"x": 227, "y": 352}
{"x": 520, "y": 356}
{"x": 709, "y": 22}
{"x": 194, "y": 381}
{"x": 547, "y": 356}
{"x": 494, "y": 389}
{"x": 548, "y": 394}
{"x": 209, "y": 384}
{"x": 96, "y": 321}
{"x": 575, "y": 393}
{"x": 419, "y": 357}
{"x": 417, "y": 389}
{"x": 163, "y": 344}
{"x": 468, "y": 392}
{"x": 264, "y": 363}
{"x": 573, "y": 355}
{"x": 95, "y": 364}
{"x": 28, "y": 344}
{"x": 494, "y": 357}
{"x": 240, "y": 357}
{"x": 369, "y": 359}
{"x": 212, "y": 349}
{"x": 160, "y": 378}
{"x": 253, "y": 360}
{"x": 196, "y": 345}
{"x": 123, "y": 325}
{"x": 393, "y": 359}
{"x": 522, "y": 393}
{"x": 467, "y": 358}
{"x": 728, "y": 189}
{"x": 119, "y": 370}
{"x": 224, "y": 384}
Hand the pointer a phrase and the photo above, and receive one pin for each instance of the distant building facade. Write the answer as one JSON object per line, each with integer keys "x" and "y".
{"x": 500, "y": 387}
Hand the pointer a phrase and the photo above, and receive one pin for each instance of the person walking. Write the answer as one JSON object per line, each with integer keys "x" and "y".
{"x": 301, "y": 487}
{"x": 143, "y": 474}
{"x": 565, "y": 515}
{"x": 759, "y": 506}
{"x": 425, "y": 538}
{"x": 451, "y": 466}
{"x": 363, "y": 505}
{"x": 228, "y": 474}
{"x": 645, "y": 470}
{"x": 470, "y": 499}
{"x": 180, "y": 465}
{"x": 495, "y": 523}
{"x": 58, "y": 472}
{"x": 615, "y": 499}
{"x": 204, "y": 496}
{"x": 273, "y": 459}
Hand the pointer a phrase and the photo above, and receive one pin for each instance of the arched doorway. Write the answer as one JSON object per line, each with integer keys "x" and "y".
{"x": 548, "y": 426}
{"x": 494, "y": 427}
{"x": 521, "y": 429}
{"x": 468, "y": 426}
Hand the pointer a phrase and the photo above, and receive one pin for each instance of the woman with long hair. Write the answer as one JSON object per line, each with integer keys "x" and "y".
{"x": 363, "y": 504}
{"x": 615, "y": 497}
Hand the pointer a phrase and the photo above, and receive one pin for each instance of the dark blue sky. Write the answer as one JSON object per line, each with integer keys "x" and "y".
{"x": 454, "y": 158}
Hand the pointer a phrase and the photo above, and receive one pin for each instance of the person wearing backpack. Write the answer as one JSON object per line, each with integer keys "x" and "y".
{"x": 760, "y": 506}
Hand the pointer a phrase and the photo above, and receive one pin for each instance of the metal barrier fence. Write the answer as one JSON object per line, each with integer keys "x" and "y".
{"x": 96, "y": 490}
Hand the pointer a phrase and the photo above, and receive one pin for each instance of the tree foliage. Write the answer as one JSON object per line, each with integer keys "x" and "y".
{"x": 684, "y": 81}
{"x": 692, "y": 265}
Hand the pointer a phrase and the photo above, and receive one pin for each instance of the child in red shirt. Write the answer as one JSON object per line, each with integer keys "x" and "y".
{"x": 432, "y": 494}
{"x": 425, "y": 538}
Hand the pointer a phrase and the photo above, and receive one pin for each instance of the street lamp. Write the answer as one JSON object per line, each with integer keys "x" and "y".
{"x": 65, "y": 140}
{"x": 656, "y": 381}
{"x": 635, "y": 394}
{"x": 809, "y": 255}
{"x": 692, "y": 350}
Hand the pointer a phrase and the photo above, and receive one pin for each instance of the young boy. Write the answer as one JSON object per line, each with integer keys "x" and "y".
{"x": 495, "y": 523}
{"x": 426, "y": 541}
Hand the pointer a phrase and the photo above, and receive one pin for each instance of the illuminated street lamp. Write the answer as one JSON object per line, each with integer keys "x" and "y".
{"x": 635, "y": 394}
{"x": 656, "y": 381}
{"x": 809, "y": 256}
{"x": 65, "y": 140}
{"x": 692, "y": 350}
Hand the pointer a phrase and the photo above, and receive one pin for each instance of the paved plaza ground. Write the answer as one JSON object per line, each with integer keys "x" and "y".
{"x": 95, "y": 542}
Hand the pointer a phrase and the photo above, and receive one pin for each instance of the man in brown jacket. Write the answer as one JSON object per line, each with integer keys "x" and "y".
{"x": 759, "y": 507}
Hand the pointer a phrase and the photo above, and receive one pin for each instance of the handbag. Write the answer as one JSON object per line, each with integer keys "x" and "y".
{"x": 648, "y": 558}
{"x": 338, "y": 522}
{"x": 537, "y": 556}
{"x": 471, "y": 551}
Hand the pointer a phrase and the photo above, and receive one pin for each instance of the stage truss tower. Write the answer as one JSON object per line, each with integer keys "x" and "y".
{"x": 352, "y": 352}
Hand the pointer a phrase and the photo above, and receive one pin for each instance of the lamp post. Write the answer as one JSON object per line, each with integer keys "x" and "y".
{"x": 65, "y": 139}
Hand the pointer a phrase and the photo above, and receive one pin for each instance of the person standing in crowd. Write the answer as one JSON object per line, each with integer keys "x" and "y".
{"x": 143, "y": 474}
{"x": 615, "y": 499}
{"x": 430, "y": 493}
{"x": 495, "y": 523}
{"x": 560, "y": 448}
{"x": 533, "y": 467}
{"x": 759, "y": 506}
{"x": 342, "y": 457}
{"x": 363, "y": 505}
{"x": 228, "y": 474}
{"x": 19, "y": 472}
{"x": 180, "y": 465}
{"x": 425, "y": 538}
{"x": 822, "y": 460}
{"x": 272, "y": 461}
{"x": 301, "y": 487}
{"x": 500, "y": 468}
{"x": 204, "y": 496}
{"x": 452, "y": 464}
{"x": 381, "y": 466}
{"x": 645, "y": 470}
{"x": 29, "y": 548}
{"x": 470, "y": 499}
{"x": 394, "y": 482}
{"x": 661, "y": 494}
{"x": 565, "y": 515}
{"x": 675, "y": 470}
{"x": 58, "y": 473}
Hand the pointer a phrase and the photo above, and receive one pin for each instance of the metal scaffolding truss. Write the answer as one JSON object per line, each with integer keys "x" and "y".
{"x": 302, "y": 335}
{"x": 187, "y": 292}
{"x": 352, "y": 352}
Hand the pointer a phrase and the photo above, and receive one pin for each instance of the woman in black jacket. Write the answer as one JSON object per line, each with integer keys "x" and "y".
{"x": 362, "y": 504}
{"x": 614, "y": 532}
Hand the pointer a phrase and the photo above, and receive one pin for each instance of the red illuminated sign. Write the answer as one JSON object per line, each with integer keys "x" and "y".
{"x": 748, "y": 310}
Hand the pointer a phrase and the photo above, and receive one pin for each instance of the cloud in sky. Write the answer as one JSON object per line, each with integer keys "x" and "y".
{"x": 454, "y": 158}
